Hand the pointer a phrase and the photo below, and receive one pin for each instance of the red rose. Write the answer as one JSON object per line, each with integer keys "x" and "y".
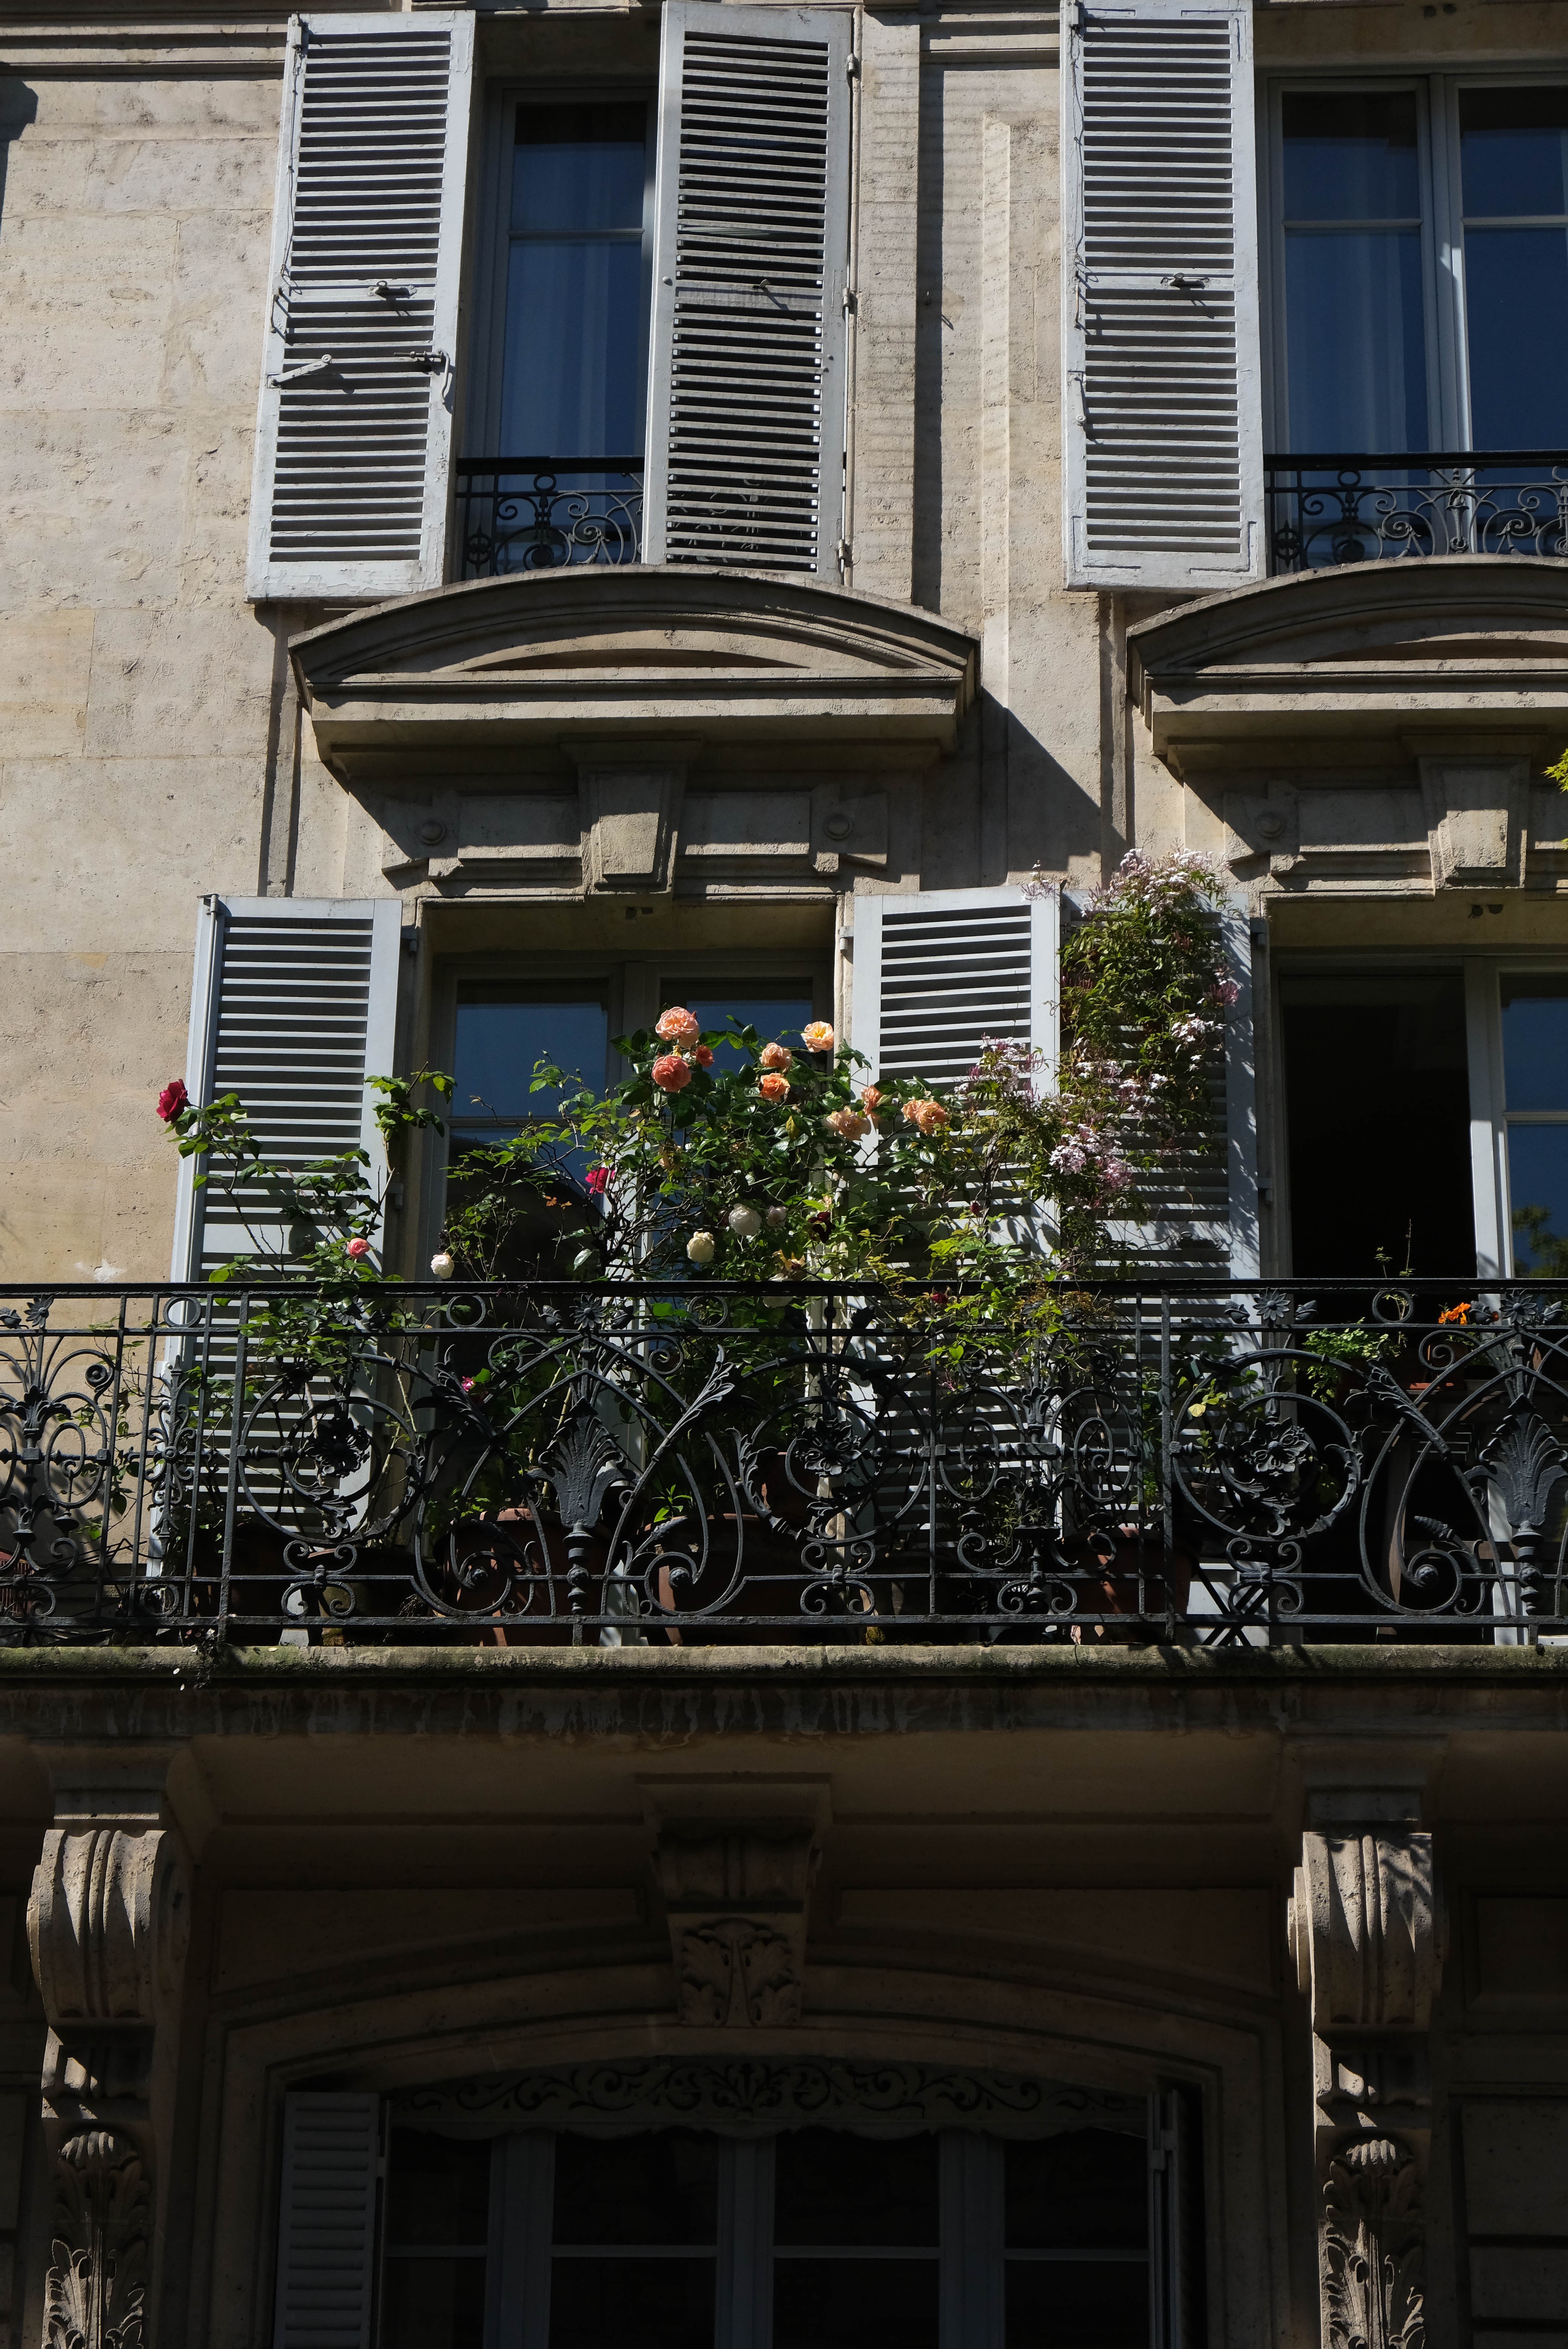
{"x": 173, "y": 1100}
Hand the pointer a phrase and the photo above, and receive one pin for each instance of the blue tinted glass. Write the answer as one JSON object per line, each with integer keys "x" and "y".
{"x": 1351, "y": 156}
{"x": 1535, "y": 1043}
{"x": 1356, "y": 335}
{"x": 498, "y": 1046}
{"x": 776, "y": 1018}
{"x": 579, "y": 167}
{"x": 1519, "y": 379}
{"x": 571, "y": 374}
{"x": 1537, "y": 1197}
{"x": 1513, "y": 151}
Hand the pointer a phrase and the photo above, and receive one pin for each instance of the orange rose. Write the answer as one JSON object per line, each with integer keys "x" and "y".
{"x": 777, "y": 1056}
{"x": 671, "y": 1071}
{"x": 773, "y": 1088}
{"x": 677, "y": 1027}
{"x": 818, "y": 1036}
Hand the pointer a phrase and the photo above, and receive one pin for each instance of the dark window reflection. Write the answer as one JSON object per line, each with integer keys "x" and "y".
{"x": 1063, "y": 2304}
{"x": 833, "y": 2188}
{"x": 1086, "y": 2190}
{"x": 608, "y": 2303}
{"x": 659, "y": 2187}
{"x": 437, "y": 2203}
{"x": 1513, "y": 162}
{"x": 1377, "y": 1111}
{"x": 852, "y": 2304}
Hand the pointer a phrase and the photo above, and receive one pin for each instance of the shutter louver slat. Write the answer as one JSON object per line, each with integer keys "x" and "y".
{"x": 1163, "y": 423}
{"x": 326, "y": 2222}
{"x": 938, "y": 972}
{"x": 746, "y": 397}
{"x": 295, "y": 1006}
{"x": 354, "y": 433}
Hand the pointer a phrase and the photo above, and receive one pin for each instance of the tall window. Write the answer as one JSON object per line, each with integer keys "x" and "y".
{"x": 573, "y": 357}
{"x": 816, "y": 2239}
{"x": 1419, "y": 225}
{"x": 1534, "y": 1019}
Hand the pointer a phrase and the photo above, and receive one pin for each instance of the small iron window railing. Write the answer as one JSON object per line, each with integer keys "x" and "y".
{"x": 542, "y": 513}
{"x": 1339, "y": 508}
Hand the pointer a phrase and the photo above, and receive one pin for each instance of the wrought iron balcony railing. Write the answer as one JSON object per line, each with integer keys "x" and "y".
{"x": 720, "y": 1464}
{"x": 1346, "y": 509}
{"x": 540, "y": 513}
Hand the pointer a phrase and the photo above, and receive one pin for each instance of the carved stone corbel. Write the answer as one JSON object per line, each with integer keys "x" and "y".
{"x": 1366, "y": 1931}
{"x": 735, "y": 1902}
{"x": 108, "y": 1921}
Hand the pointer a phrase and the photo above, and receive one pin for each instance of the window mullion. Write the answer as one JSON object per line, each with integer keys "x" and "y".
{"x": 517, "y": 2282}
{"x": 973, "y": 2311}
{"x": 743, "y": 2316}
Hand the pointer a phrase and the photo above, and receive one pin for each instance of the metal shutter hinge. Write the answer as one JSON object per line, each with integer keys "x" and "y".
{"x": 851, "y": 303}
{"x": 846, "y": 554}
{"x": 433, "y": 362}
{"x": 852, "y": 66}
{"x": 390, "y": 292}
{"x": 309, "y": 367}
{"x": 1186, "y": 284}
{"x": 1077, "y": 17}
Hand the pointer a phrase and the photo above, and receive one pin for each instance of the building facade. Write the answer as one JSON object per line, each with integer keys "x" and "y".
{"x": 520, "y": 517}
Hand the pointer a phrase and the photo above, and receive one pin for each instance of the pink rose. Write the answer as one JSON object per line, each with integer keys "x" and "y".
{"x": 356, "y": 1248}
{"x": 773, "y": 1088}
{"x": 596, "y": 1181}
{"x": 818, "y": 1036}
{"x": 173, "y": 1100}
{"x": 677, "y": 1027}
{"x": 671, "y": 1071}
{"x": 703, "y": 1056}
{"x": 776, "y": 1056}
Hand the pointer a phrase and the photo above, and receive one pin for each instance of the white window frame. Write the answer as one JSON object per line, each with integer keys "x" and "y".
{"x": 1490, "y": 1115}
{"x": 1442, "y": 236}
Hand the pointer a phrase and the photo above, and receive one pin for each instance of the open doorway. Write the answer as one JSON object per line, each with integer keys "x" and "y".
{"x": 1376, "y": 1094}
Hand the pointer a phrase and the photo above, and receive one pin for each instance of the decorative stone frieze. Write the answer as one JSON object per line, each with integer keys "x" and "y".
{"x": 108, "y": 1923}
{"x": 1366, "y": 1931}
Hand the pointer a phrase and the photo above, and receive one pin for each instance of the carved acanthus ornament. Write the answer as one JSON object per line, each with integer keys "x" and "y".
{"x": 107, "y": 1921}
{"x": 735, "y": 1900}
{"x": 1366, "y": 1931}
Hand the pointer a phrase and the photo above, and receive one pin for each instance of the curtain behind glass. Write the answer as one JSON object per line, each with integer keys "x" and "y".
{"x": 571, "y": 378}
{"x": 1355, "y": 319}
{"x": 1514, "y": 161}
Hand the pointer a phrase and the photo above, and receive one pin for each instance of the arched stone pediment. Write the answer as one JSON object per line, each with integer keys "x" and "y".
{"x": 1361, "y": 649}
{"x": 645, "y": 651}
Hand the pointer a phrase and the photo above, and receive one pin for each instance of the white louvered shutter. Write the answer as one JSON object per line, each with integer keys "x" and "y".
{"x": 326, "y": 2222}
{"x": 294, "y": 1005}
{"x": 1160, "y": 403}
{"x": 1199, "y": 1215}
{"x": 353, "y": 435}
{"x": 938, "y": 972}
{"x": 747, "y": 389}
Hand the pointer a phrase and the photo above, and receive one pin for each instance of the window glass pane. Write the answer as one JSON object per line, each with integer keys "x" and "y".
{"x": 1538, "y": 1198}
{"x": 579, "y": 167}
{"x": 1513, "y": 151}
{"x": 1356, "y": 341}
{"x": 1086, "y": 2190}
{"x": 603, "y": 2303}
{"x": 853, "y": 2303}
{"x": 1351, "y": 155}
{"x": 658, "y": 2187}
{"x": 833, "y": 2188}
{"x": 498, "y": 1045}
{"x": 1535, "y": 1043}
{"x": 1516, "y": 316}
{"x": 1076, "y": 2304}
{"x": 777, "y": 1019}
{"x": 437, "y": 2190}
{"x": 571, "y": 381}
{"x": 434, "y": 2303}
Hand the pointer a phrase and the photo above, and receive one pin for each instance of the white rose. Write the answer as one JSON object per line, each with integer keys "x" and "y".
{"x": 700, "y": 1247}
{"x": 442, "y": 1266}
{"x": 745, "y": 1223}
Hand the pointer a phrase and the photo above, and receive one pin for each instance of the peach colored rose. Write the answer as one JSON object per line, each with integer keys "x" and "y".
{"x": 870, "y": 1099}
{"x": 671, "y": 1071}
{"x": 677, "y": 1027}
{"x": 773, "y": 1087}
{"x": 849, "y": 1125}
{"x": 927, "y": 1116}
{"x": 777, "y": 1056}
{"x": 819, "y": 1036}
{"x": 703, "y": 1056}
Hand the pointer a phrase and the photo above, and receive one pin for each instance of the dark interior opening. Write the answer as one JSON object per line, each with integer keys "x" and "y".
{"x": 1378, "y": 1117}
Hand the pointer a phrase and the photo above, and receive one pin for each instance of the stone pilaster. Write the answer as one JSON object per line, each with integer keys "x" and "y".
{"x": 1367, "y": 1932}
{"x": 107, "y": 1921}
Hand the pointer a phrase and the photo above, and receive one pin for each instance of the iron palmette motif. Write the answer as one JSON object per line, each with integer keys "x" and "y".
{"x": 723, "y": 1464}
